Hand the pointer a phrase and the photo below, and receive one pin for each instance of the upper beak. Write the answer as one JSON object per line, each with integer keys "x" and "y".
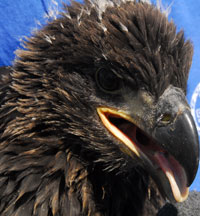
{"x": 180, "y": 163}
{"x": 169, "y": 150}
{"x": 181, "y": 140}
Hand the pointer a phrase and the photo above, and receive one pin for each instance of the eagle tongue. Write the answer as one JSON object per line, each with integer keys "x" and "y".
{"x": 175, "y": 175}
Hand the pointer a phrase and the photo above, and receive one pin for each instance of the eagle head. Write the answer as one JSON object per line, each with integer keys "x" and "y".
{"x": 96, "y": 106}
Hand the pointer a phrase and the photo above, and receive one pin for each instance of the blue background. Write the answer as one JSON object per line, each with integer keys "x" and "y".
{"x": 19, "y": 18}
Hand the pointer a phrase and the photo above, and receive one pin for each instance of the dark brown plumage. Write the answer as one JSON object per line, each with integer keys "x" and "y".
{"x": 56, "y": 156}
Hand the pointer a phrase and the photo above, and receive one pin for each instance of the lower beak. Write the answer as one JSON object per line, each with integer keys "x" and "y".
{"x": 170, "y": 154}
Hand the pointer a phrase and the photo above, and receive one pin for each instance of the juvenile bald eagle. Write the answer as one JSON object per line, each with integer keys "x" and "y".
{"x": 95, "y": 107}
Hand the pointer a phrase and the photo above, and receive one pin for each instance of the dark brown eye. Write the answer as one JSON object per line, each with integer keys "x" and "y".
{"x": 108, "y": 81}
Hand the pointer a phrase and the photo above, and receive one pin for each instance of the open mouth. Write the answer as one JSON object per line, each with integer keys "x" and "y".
{"x": 123, "y": 128}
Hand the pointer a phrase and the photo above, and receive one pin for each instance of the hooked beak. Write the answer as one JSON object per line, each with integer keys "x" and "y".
{"x": 169, "y": 151}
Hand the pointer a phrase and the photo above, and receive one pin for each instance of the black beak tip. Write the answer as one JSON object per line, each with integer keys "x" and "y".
{"x": 190, "y": 145}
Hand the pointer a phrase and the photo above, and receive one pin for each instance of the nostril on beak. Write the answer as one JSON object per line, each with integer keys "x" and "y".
{"x": 166, "y": 118}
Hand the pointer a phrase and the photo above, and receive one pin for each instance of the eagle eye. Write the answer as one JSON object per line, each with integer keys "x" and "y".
{"x": 108, "y": 81}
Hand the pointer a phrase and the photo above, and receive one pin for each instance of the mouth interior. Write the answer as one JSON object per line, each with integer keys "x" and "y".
{"x": 134, "y": 133}
{"x": 161, "y": 160}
